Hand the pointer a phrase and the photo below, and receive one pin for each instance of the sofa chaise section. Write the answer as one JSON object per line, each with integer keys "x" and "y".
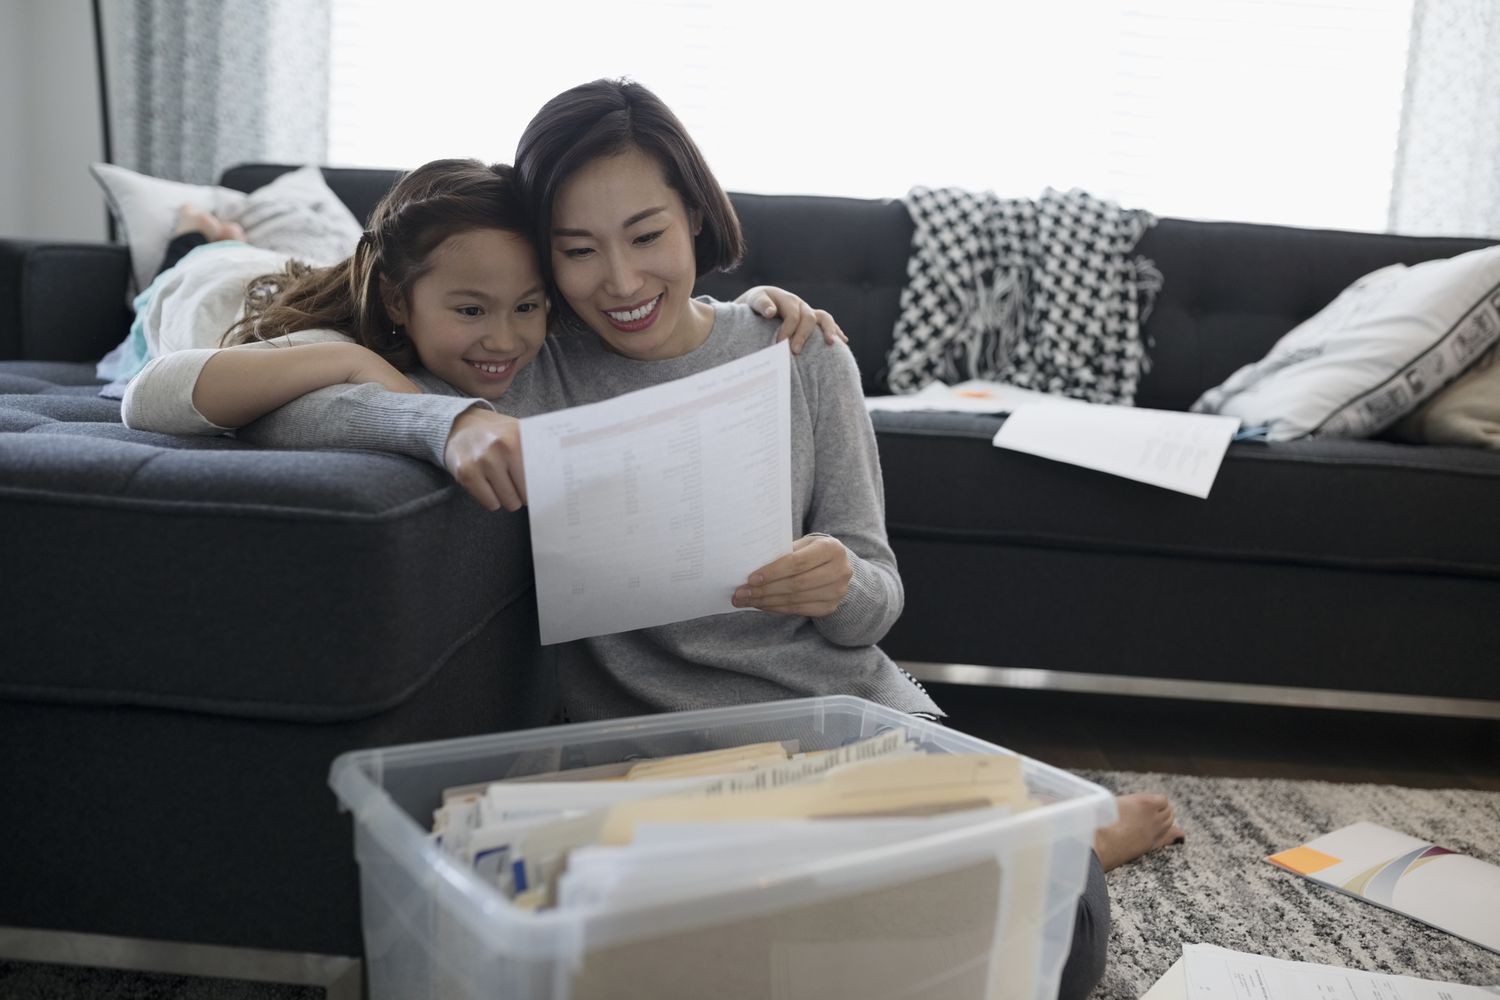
{"x": 193, "y": 630}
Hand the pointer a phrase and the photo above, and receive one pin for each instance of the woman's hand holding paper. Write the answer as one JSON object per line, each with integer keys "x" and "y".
{"x": 811, "y": 581}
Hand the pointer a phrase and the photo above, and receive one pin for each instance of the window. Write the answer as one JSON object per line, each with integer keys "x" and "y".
{"x": 1253, "y": 110}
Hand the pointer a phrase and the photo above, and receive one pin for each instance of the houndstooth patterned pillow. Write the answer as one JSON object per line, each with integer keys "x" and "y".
{"x": 1043, "y": 294}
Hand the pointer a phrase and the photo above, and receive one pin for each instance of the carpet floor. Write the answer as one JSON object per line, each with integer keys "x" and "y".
{"x": 1218, "y": 889}
{"x": 39, "y": 981}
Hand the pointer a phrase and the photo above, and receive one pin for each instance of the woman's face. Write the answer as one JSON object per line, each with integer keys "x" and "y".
{"x": 622, "y": 255}
{"x": 479, "y": 314}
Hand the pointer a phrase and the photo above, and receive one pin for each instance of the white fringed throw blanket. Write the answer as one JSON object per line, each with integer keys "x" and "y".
{"x": 1043, "y": 294}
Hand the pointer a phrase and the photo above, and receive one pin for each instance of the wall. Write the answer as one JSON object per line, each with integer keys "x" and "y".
{"x": 50, "y": 128}
{"x": 12, "y": 149}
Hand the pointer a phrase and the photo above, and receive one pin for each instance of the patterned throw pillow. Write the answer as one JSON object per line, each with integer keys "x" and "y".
{"x": 297, "y": 214}
{"x": 1466, "y": 413}
{"x": 1389, "y": 341}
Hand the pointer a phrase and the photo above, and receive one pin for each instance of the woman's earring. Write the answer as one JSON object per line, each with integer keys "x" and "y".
{"x": 397, "y": 332}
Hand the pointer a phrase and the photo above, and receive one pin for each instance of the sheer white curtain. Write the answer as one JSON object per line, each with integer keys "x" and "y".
{"x": 1258, "y": 110}
{"x": 1448, "y": 166}
{"x": 198, "y": 87}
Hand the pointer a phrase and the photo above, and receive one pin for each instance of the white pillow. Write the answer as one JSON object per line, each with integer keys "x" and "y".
{"x": 1388, "y": 342}
{"x": 297, "y": 214}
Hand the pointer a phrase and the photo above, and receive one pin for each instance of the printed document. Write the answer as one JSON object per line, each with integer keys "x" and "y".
{"x": 1178, "y": 451}
{"x": 652, "y": 507}
{"x": 1220, "y": 974}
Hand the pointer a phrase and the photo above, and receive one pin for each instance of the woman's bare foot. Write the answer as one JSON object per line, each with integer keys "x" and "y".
{"x": 213, "y": 228}
{"x": 1145, "y": 824}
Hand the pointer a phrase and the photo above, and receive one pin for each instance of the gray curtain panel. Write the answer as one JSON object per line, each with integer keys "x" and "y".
{"x": 200, "y": 85}
{"x": 1446, "y": 181}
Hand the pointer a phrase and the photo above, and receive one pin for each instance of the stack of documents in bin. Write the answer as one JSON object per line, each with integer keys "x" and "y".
{"x": 651, "y": 830}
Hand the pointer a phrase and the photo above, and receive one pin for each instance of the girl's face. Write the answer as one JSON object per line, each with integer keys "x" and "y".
{"x": 622, "y": 255}
{"x": 479, "y": 314}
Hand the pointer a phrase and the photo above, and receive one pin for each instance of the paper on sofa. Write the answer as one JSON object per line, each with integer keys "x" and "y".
{"x": 1178, "y": 451}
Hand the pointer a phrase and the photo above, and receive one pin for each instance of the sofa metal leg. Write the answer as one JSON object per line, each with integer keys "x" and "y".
{"x": 1163, "y": 687}
{"x": 340, "y": 976}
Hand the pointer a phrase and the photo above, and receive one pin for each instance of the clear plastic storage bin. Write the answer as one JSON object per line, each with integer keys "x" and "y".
{"x": 978, "y": 910}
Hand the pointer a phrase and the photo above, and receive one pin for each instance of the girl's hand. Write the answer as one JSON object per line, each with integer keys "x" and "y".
{"x": 484, "y": 455}
{"x": 812, "y": 581}
{"x": 798, "y": 319}
{"x": 367, "y": 366}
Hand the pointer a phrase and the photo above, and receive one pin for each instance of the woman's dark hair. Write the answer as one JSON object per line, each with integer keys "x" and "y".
{"x": 605, "y": 118}
{"x": 426, "y": 206}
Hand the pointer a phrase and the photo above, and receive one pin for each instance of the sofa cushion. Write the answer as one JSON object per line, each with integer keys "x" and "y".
{"x": 1465, "y": 413}
{"x": 203, "y": 574}
{"x": 1351, "y": 504}
{"x": 297, "y": 214}
{"x": 1389, "y": 341}
{"x": 1231, "y": 290}
{"x": 89, "y": 277}
{"x": 360, "y": 189}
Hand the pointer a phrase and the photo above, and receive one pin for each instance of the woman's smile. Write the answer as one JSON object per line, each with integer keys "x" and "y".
{"x": 636, "y": 318}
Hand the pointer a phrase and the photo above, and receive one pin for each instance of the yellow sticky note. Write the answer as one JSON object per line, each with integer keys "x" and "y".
{"x": 1304, "y": 860}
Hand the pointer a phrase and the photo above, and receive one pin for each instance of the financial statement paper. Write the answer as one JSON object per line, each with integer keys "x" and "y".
{"x": 654, "y": 506}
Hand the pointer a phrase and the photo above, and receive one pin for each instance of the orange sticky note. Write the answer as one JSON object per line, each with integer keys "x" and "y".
{"x": 1304, "y": 860}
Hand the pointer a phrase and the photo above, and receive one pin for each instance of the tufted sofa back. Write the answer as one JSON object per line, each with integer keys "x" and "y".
{"x": 1231, "y": 290}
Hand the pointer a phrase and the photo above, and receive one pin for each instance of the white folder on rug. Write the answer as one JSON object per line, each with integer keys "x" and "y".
{"x": 1450, "y": 891}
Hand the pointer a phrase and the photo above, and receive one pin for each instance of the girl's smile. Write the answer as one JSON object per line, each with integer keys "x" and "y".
{"x": 496, "y": 371}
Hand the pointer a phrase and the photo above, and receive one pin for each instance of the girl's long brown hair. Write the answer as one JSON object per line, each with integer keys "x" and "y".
{"x": 425, "y": 207}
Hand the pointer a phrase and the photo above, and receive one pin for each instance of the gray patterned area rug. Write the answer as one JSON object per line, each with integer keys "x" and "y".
{"x": 39, "y": 981}
{"x": 1218, "y": 889}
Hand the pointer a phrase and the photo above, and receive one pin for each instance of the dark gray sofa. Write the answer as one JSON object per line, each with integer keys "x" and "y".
{"x": 1318, "y": 565}
{"x": 193, "y": 629}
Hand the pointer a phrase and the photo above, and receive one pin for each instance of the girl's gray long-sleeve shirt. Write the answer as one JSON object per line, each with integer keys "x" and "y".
{"x": 735, "y": 658}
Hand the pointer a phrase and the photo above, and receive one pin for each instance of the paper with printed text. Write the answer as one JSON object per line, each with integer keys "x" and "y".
{"x": 1213, "y": 973}
{"x": 1178, "y": 451}
{"x": 652, "y": 507}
